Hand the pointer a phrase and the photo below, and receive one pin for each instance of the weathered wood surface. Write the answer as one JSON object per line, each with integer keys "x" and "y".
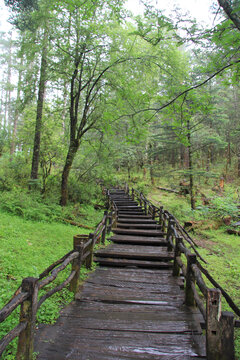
{"x": 141, "y": 232}
{"x": 139, "y": 226}
{"x": 132, "y": 216}
{"x": 136, "y": 252}
{"x": 125, "y": 314}
{"x": 141, "y": 240}
{"x": 130, "y": 310}
{"x": 136, "y": 221}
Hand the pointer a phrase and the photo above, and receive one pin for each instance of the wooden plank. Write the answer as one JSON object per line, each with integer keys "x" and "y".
{"x": 100, "y": 344}
{"x": 128, "y": 262}
{"x": 136, "y": 252}
{"x": 130, "y": 216}
{"x": 136, "y": 220}
{"x": 138, "y": 226}
{"x": 135, "y": 249}
{"x": 142, "y": 232}
{"x": 137, "y": 240}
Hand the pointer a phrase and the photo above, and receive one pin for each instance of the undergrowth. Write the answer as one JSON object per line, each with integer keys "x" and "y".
{"x": 27, "y": 249}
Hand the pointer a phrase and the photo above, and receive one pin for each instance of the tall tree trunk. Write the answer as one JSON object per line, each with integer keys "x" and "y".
{"x": 16, "y": 114}
{"x": 41, "y": 93}
{"x": 7, "y": 120}
{"x": 73, "y": 148}
{"x": 238, "y": 161}
{"x": 182, "y": 154}
{"x": 190, "y": 167}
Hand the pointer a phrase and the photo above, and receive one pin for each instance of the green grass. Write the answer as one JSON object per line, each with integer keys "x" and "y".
{"x": 26, "y": 249}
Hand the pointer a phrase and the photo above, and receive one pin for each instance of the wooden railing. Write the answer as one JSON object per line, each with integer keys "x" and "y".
{"x": 219, "y": 324}
{"x": 27, "y": 297}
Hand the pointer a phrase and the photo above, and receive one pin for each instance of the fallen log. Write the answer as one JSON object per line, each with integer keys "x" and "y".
{"x": 71, "y": 222}
{"x": 233, "y": 232}
{"x": 168, "y": 190}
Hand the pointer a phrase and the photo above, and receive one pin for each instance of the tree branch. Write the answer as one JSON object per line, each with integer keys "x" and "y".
{"x": 230, "y": 12}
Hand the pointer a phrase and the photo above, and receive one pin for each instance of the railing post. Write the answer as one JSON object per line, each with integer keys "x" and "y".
{"x": 219, "y": 329}
{"x": 169, "y": 233}
{"x": 164, "y": 219}
{"x": 110, "y": 215}
{"x": 189, "y": 296}
{"x": 133, "y": 194}
{"x": 114, "y": 221}
{"x": 28, "y": 314}
{"x": 108, "y": 205}
{"x": 105, "y": 228}
{"x": 177, "y": 253}
{"x": 161, "y": 217}
{"x": 89, "y": 259}
{"x": 154, "y": 212}
{"x": 227, "y": 340}
{"x": 78, "y": 245}
{"x": 145, "y": 206}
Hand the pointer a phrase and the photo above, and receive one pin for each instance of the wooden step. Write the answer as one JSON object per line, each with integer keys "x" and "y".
{"x": 143, "y": 232}
{"x": 125, "y": 202}
{"x": 128, "y": 207}
{"x": 138, "y": 226}
{"x": 130, "y": 256}
{"x": 124, "y": 213}
{"x": 138, "y": 240}
{"x": 136, "y": 220}
{"x": 121, "y": 216}
{"x": 129, "y": 263}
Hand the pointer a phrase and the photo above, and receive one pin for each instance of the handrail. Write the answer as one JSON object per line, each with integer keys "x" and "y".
{"x": 27, "y": 294}
{"x": 193, "y": 273}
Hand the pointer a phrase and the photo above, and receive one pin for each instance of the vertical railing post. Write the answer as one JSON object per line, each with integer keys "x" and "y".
{"x": 227, "y": 340}
{"x": 219, "y": 329}
{"x": 169, "y": 233}
{"x": 105, "y": 228}
{"x": 89, "y": 259}
{"x": 133, "y": 194}
{"x": 115, "y": 217}
{"x": 108, "y": 200}
{"x": 161, "y": 217}
{"x": 145, "y": 206}
{"x": 28, "y": 314}
{"x": 177, "y": 253}
{"x": 110, "y": 216}
{"x": 154, "y": 212}
{"x": 189, "y": 295}
{"x": 78, "y": 245}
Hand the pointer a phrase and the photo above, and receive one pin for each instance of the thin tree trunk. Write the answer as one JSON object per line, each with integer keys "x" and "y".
{"x": 182, "y": 151}
{"x": 238, "y": 162}
{"x": 41, "y": 93}
{"x": 16, "y": 114}
{"x": 7, "y": 121}
{"x": 65, "y": 174}
{"x": 190, "y": 167}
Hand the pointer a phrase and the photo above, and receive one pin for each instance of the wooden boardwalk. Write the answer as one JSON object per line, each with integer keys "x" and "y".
{"x": 131, "y": 307}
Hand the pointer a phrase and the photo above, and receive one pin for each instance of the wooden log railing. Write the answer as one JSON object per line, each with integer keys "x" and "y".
{"x": 219, "y": 324}
{"x": 27, "y": 295}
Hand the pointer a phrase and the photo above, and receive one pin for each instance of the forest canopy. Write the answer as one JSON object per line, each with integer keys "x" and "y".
{"x": 88, "y": 89}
